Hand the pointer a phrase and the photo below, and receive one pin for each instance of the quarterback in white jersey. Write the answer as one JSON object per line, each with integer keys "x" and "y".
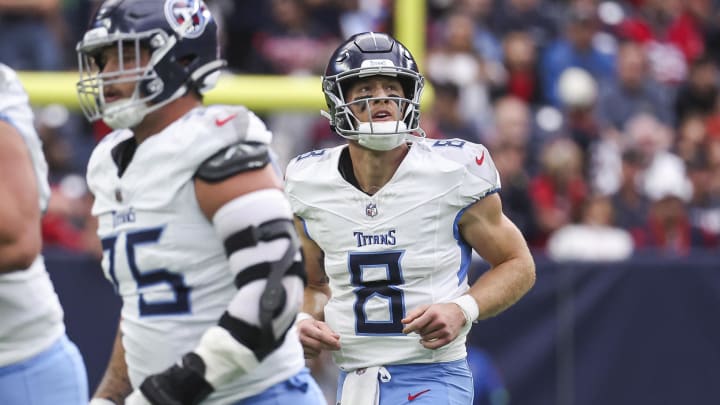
{"x": 394, "y": 250}
{"x": 388, "y": 227}
{"x": 197, "y": 234}
{"x": 34, "y": 351}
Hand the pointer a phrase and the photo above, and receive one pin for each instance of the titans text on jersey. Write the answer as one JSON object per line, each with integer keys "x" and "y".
{"x": 387, "y": 238}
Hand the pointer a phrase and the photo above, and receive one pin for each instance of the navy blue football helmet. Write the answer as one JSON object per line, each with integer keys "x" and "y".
{"x": 182, "y": 40}
{"x": 368, "y": 54}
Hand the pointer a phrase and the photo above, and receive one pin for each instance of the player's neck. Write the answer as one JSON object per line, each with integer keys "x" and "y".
{"x": 158, "y": 120}
{"x": 373, "y": 169}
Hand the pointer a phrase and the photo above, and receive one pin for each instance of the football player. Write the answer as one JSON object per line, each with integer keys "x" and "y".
{"x": 198, "y": 237}
{"x": 388, "y": 223}
{"x": 39, "y": 365}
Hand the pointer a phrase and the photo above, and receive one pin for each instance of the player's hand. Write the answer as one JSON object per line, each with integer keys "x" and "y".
{"x": 316, "y": 336}
{"x": 437, "y": 324}
{"x": 183, "y": 384}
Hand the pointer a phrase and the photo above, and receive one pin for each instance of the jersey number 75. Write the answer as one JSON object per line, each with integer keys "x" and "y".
{"x": 181, "y": 302}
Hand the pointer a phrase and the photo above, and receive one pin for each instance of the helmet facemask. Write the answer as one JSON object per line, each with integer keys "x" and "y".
{"x": 127, "y": 112}
{"x": 382, "y": 135}
{"x": 180, "y": 38}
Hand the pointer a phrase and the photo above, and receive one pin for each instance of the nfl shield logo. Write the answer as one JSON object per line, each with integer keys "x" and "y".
{"x": 371, "y": 210}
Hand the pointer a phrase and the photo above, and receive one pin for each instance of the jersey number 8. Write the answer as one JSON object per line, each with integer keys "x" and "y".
{"x": 383, "y": 288}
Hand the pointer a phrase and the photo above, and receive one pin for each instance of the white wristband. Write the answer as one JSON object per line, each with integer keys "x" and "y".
{"x": 469, "y": 307}
{"x": 301, "y": 316}
{"x": 101, "y": 401}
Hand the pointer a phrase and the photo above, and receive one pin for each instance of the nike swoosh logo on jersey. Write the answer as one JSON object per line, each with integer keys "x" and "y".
{"x": 220, "y": 122}
{"x": 481, "y": 159}
{"x": 412, "y": 397}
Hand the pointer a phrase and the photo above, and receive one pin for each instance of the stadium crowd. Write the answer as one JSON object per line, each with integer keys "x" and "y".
{"x": 602, "y": 116}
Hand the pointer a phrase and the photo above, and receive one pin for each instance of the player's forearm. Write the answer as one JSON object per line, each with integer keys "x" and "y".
{"x": 20, "y": 237}
{"x": 19, "y": 249}
{"x": 314, "y": 300}
{"x": 503, "y": 285}
{"x": 115, "y": 384}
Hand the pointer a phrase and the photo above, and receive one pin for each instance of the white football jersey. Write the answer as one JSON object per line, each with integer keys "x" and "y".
{"x": 391, "y": 252}
{"x": 32, "y": 318}
{"x": 164, "y": 256}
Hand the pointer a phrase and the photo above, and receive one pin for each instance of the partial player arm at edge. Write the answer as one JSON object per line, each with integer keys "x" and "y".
{"x": 315, "y": 335}
{"x": 317, "y": 292}
{"x": 20, "y": 235}
{"x": 501, "y": 244}
{"x": 115, "y": 383}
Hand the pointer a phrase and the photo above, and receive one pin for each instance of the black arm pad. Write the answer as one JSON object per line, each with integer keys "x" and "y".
{"x": 234, "y": 159}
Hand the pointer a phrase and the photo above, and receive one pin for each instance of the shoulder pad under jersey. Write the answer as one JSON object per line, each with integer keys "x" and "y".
{"x": 234, "y": 159}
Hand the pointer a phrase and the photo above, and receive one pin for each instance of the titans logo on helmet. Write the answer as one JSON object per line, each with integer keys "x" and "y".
{"x": 179, "y": 12}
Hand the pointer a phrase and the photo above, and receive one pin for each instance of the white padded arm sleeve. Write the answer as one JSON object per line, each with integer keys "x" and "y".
{"x": 252, "y": 227}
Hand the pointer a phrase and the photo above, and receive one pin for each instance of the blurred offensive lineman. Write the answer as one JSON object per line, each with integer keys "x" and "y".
{"x": 197, "y": 235}
{"x": 387, "y": 248}
{"x": 39, "y": 365}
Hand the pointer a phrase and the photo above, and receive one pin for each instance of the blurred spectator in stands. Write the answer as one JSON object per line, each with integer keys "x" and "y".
{"x": 513, "y": 125}
{"x": 292, "y": 43}
{"x": 486, "y": 42}
{"x": 712, "y": 142}
{"x": 686, "y": 30}
{"x": 446, "y": 119}
{"x": 704, "y": 205}
{"x": 668, "y": 228}
{"x": 633, "y": 91}
{"x": 644, "y": 133}
{"x": 576, "y": 49}
{"x": 691, "y": 137}
{"x": 519, "y": 75}
{"x": 699, "y": 94}
{"x": 239, "y": 21}
{"x": 647, "y": 24}
{"x": 454, "y": 59}
{"x": 559, "y": 190}
{"x": 711, "y": 33}
{"x": 67, "y": 224}
{"x": 630, "y": 205}
{"x": 595, "y": 237}
{"x": 524, "y": 15}
{"x": 509, "y": 158}
{"x": 712, "y": 149}
{"x": 649, "y": 136}
{"x": 577, "y": 94}
{"x": 73, "y": 22}
{"x": 362, "y": 16}
{"x": 30, "y": 39}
